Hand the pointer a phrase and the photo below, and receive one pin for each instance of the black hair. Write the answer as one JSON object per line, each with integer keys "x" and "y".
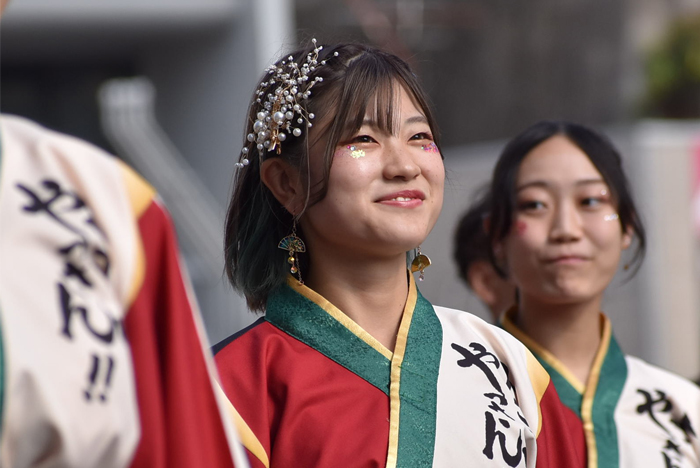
{"x": 357, "y": 80}
{"x": 602, "y": 154}
{"x": 471, "y": 242}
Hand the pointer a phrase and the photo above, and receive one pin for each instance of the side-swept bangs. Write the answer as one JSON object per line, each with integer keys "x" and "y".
{"x": 368, "y": 87}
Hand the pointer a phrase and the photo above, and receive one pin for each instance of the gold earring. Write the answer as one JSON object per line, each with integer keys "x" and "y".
{"x": 293, "y": 244}
{"x": 420, "y": 262}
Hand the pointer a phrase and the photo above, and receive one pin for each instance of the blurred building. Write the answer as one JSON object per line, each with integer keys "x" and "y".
{"x": 492, "y": 67}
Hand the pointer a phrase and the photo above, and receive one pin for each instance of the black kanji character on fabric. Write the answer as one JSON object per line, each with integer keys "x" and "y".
{"x": 58, "y": 204}
{"x": 481, "y": 359}
{"x": 75, "y": 268}
{"x": 495, "y": 407}
{"x": 86, "y": 260}
{"x": 49, "y": 205}
{"x": 683, "y": 423}
{"x": 100, "y": 375}
{"x": 661, "y": 404}
{"x": 492, "y": 433}
{"x": 501, "y": 425}
{"x": 656, "y": 405}
{"x": 670, "y": 445}
{"x": 669, "y": 462}
{"x": 69, "y": 310}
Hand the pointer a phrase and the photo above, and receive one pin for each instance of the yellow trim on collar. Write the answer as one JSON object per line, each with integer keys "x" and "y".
{"x": 540, "y": 381}
{"x": 548, "y": 357}
{"x": 140, "y": 192}
{"x": 141, "y": 195}
{"x": 337, "y": 314}
{"x": 248, "y": 438}
{"x": 587, "y": 391}
{"x": 591, "y": 387}
{"x": 395, "y": 379}
{"x": 396, "y": 357}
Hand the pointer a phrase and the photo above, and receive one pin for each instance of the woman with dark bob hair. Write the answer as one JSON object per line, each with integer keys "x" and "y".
{"x": 558, "y": 231}
{"x": 339, "y": 177}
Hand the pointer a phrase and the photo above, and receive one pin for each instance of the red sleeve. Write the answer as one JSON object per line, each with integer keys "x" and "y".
{"x": 243, "y": 370}
{"x": 561, "y": 441}
{"x": 299, "y": 407}
{"x": 180, "y": 420}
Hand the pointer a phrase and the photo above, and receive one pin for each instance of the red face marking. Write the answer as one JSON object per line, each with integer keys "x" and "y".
{"x": 520, "y": 228}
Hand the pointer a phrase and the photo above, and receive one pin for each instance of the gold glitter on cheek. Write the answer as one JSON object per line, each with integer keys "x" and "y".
{"x": 356, "y": 153}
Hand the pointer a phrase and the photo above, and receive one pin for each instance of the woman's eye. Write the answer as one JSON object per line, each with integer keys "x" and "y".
{"x": 591, "y": 202}
{"x": 422, "y": 136}
{"x": 362, "y": 139}
{"x": 531, "y": 205}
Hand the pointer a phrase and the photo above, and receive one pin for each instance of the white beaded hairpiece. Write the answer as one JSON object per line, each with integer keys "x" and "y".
{"x": 283, "y": 110}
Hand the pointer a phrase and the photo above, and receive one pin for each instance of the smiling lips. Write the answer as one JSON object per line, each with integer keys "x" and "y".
{"x": 404, "y": 198}
{"x": 566, "y": 260}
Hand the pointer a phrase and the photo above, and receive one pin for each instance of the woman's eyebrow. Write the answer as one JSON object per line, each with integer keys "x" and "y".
{"x": 420, "y": 118}
{"x": 592, "y": 181}
{"x": 373, "y": 124}
{"x": 545, "y": 184}
{"x": 534, "y": 183}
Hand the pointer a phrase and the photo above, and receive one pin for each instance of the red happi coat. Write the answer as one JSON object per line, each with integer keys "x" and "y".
{"x": 314, "y": 389}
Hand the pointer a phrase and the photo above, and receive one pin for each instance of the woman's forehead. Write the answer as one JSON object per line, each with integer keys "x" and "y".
{"x": 557, "y": 160}
{"x": 385, "y": 111}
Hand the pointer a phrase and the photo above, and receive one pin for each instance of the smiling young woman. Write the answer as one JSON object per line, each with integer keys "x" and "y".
{"x": 340, "y": 176}
{"x": 559, "y": 234}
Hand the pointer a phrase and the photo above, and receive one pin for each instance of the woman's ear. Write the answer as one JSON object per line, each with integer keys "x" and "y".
{"x": 627, "y": 237}
{"x": 499, "y": 257}
{"x": 284, "y": 182}
{"x": 498, "y": 251}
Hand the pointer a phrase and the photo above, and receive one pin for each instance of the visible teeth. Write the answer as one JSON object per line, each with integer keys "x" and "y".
{"x": 401, "y": 199}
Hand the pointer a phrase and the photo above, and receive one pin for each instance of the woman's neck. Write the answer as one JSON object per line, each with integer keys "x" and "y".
{"x": 572, "y": 332}
{"x": 371, "y": 292}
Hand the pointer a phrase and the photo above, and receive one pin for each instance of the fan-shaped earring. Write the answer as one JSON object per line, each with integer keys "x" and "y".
{"x": 420, "y": 262}
{"x": 293, "y": 244}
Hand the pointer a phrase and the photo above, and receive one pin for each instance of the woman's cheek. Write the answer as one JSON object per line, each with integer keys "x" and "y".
{"x": 604, "y": 229}
{"x": 523, "y": 243}
{"x": 362, "y": 164}
{"x": 353, "y": 155}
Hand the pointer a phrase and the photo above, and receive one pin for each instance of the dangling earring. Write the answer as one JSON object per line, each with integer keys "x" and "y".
{"x": 293, "y": 244}
{"x": 420, "y": 262}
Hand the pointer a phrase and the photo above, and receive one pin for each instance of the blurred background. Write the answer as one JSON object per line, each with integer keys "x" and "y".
{"x": 164, "y": 84}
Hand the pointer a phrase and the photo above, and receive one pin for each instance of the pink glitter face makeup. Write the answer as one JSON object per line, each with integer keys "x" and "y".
{"x": 430, "y": 148}
{"x": 355, "y": 152}
{"x": 520, "y": 228}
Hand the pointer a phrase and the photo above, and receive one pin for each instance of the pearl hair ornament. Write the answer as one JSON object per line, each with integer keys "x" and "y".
{"x": 282, "y": 110}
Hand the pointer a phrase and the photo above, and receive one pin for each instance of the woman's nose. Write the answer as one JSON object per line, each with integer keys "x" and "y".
{"x": 400, "y": 162}
{"x": 566, "y": 223}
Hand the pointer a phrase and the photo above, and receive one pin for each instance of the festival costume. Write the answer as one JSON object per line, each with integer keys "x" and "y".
{"x": 316, "y": 390}
{"x": 103, "y": 357}
{"x": 633, "y": 414}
